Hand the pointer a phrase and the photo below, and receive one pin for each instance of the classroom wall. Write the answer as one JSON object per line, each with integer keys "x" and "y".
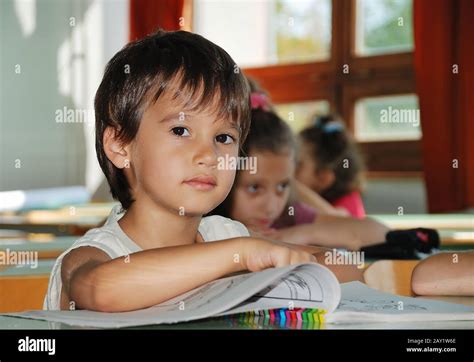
{"x": 386, "y": 195}
{"x": 52, "y": 57}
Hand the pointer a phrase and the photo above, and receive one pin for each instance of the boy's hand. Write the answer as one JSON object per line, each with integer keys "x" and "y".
{"x": 259, "y": 254}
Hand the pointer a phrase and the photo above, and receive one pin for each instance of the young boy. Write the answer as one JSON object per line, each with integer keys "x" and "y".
{"x": 168, "y": 108}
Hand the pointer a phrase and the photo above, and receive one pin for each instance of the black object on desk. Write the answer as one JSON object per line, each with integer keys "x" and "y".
{"x": 404, "y": 244}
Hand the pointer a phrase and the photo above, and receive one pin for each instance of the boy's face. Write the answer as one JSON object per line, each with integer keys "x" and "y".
{"x": 174, "y": 158}
{"x": 259, "y": 199}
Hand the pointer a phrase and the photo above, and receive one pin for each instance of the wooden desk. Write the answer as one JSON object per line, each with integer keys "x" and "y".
{"x": 219, "y": 323}
{"x": 49, "y": 247}
{"x": 391, "y": 276}
{"x": 456, "y": 237}
{"x": 22, "y": 293}
{"x": 61, "y": 226}
{"x": 23, "y": 288}
{"x": 434, "y": 221}
{"x": 386, "y": 275}
{"x": 75, "y": 220}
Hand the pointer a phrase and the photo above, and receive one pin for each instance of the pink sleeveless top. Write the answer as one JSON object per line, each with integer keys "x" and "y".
{"x": 352, "y": 202}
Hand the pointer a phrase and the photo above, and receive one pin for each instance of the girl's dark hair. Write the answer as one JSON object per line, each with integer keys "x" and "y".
{"x": 143, "y": 70}
{"x": 334, "y": 149}
{"x": 268, "y": 132}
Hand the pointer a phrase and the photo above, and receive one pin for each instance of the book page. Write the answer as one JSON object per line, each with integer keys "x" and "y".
{"x": 303, "y": 287}
{"x": 208, "y": 300}
{"x": 360, "y": 303}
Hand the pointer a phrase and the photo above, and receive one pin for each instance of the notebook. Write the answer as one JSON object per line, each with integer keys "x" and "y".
{"x": 309, "y": 286}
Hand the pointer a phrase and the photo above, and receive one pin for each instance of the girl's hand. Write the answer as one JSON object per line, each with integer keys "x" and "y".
{"x": 259, "y": 254}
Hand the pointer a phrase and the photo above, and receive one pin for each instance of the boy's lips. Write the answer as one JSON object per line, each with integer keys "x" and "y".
{"x": 202, "y": 182}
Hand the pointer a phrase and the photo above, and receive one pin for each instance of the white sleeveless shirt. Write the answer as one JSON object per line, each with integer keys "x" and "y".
{"x": 111, "y": 239}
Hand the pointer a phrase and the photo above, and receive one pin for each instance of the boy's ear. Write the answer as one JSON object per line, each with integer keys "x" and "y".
{"x": 326, "y": 178}
{"x": 116, "y": 151}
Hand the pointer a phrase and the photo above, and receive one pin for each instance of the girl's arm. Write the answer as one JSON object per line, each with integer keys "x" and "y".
{"x": 92, "y": 281}
{"x": 335, "y": 232}
{"x": 445, "y": 274}
{"x": 309, "y": 197}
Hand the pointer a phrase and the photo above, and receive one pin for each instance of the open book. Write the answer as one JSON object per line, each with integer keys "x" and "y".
{"x": 296, "y": 286}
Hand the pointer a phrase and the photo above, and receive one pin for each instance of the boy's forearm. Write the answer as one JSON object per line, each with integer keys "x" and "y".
{"x": 154, "y": 276}
{"x": 449, "y": 273}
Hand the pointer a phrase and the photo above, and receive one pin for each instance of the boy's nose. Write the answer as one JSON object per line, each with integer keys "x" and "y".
{"x": 206, "y": 155}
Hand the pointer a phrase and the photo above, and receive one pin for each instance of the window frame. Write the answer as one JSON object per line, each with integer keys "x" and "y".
{"x": 369, "y": 76}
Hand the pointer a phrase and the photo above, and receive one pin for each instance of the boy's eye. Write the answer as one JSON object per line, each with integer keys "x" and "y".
{"x": 225, "y": 138}
{"x": 180, "y": 131}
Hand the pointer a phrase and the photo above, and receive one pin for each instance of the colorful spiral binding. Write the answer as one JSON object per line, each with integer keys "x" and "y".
{"x": 284, "y": 318}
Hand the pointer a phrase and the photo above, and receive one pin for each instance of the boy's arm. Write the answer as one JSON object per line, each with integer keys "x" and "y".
{"x": 153, "y": 276}
{"x": 445, "y": 274}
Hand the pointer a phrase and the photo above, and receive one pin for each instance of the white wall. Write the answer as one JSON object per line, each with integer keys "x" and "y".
{"x": 52, "y": 56}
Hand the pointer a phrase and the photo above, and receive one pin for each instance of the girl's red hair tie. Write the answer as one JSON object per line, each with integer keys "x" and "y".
{"x": 259, "y": 100}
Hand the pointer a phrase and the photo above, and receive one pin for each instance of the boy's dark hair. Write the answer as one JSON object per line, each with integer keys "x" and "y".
{"x": 142, "y": 71}
{"x": 331, "y": 146}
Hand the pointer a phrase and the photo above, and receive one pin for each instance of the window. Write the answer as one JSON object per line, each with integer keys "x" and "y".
{"x": 354, "y": 57}
{"x": 303, "y": 30}
{"x": 383, "y": 26}
{"x": 267, "y": 32}
{"x": 299, "y": 115}
{"x": 387, "y": 118}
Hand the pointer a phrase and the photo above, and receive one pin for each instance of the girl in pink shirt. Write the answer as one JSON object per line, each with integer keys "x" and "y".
{"x": 262, "y": 198}
{"x": 329, "y": 163}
